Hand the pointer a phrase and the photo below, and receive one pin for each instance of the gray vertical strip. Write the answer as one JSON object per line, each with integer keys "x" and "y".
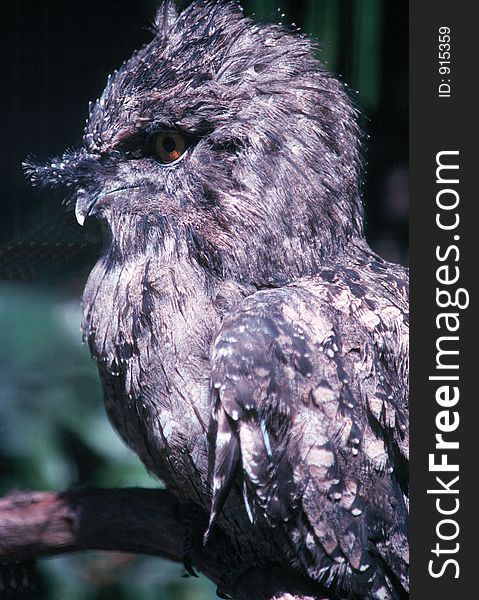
{"x": 444, "y": 320}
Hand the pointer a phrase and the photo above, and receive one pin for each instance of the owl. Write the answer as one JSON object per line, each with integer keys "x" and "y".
{"x": 252, "y": 348}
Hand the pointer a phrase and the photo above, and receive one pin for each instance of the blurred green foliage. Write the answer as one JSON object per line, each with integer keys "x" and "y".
{"x": 54, "y": 432}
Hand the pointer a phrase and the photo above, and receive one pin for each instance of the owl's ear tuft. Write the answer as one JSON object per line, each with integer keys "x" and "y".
{"x": 73, "y": 168}
{"x": 166, "y": 17}
{"x": 38, "y": 174}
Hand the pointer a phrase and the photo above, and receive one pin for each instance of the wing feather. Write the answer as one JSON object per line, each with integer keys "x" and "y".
{"x": 312, "y": 391}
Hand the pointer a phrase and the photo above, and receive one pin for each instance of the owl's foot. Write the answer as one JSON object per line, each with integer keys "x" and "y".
{"x": 190, "y": 519}
{"x": 221, "y": 593}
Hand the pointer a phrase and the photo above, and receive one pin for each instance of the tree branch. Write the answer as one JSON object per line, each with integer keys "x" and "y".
{"x": 135, "y": 520}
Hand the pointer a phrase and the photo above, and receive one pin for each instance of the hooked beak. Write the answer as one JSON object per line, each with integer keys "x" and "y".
{"x": 83, "y": 208}
{"x": 88, "y": 205}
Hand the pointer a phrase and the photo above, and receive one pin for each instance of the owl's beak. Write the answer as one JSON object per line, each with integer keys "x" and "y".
{"x": 80, "y": 217}
{"x": 84, "y": 207}
{"x": 88, "y": 204}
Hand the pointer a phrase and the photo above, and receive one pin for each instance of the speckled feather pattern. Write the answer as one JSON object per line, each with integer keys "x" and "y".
{"x": 252, "y": 349}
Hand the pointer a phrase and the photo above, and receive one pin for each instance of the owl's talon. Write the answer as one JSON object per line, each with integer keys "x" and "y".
{"x": 191, "y": 513}
{"x": 220, "y": 593}
{"x": 188, "y": 564}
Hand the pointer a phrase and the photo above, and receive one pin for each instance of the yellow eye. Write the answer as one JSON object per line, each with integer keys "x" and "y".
{"x": 169, "y": 146}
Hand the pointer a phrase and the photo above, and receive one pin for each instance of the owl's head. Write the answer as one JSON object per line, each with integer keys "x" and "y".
{"x": 228, "y": 136}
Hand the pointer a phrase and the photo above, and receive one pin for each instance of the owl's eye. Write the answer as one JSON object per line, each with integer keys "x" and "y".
{"x": 168, "y": 146}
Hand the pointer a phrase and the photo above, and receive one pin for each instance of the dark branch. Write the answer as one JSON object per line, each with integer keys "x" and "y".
{"x": 135, "y": 520}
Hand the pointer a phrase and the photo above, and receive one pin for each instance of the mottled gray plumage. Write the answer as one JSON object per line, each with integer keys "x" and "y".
{"x": 253, "y": 350}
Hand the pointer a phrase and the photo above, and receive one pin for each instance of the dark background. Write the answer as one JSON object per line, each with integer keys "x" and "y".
{"x": 55, "y": 57}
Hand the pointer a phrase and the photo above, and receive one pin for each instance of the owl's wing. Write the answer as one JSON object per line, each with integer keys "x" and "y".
{"x": 310, "y": 400}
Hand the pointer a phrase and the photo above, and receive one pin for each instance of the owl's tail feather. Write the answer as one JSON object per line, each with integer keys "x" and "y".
{"x": 227, "y": 453}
